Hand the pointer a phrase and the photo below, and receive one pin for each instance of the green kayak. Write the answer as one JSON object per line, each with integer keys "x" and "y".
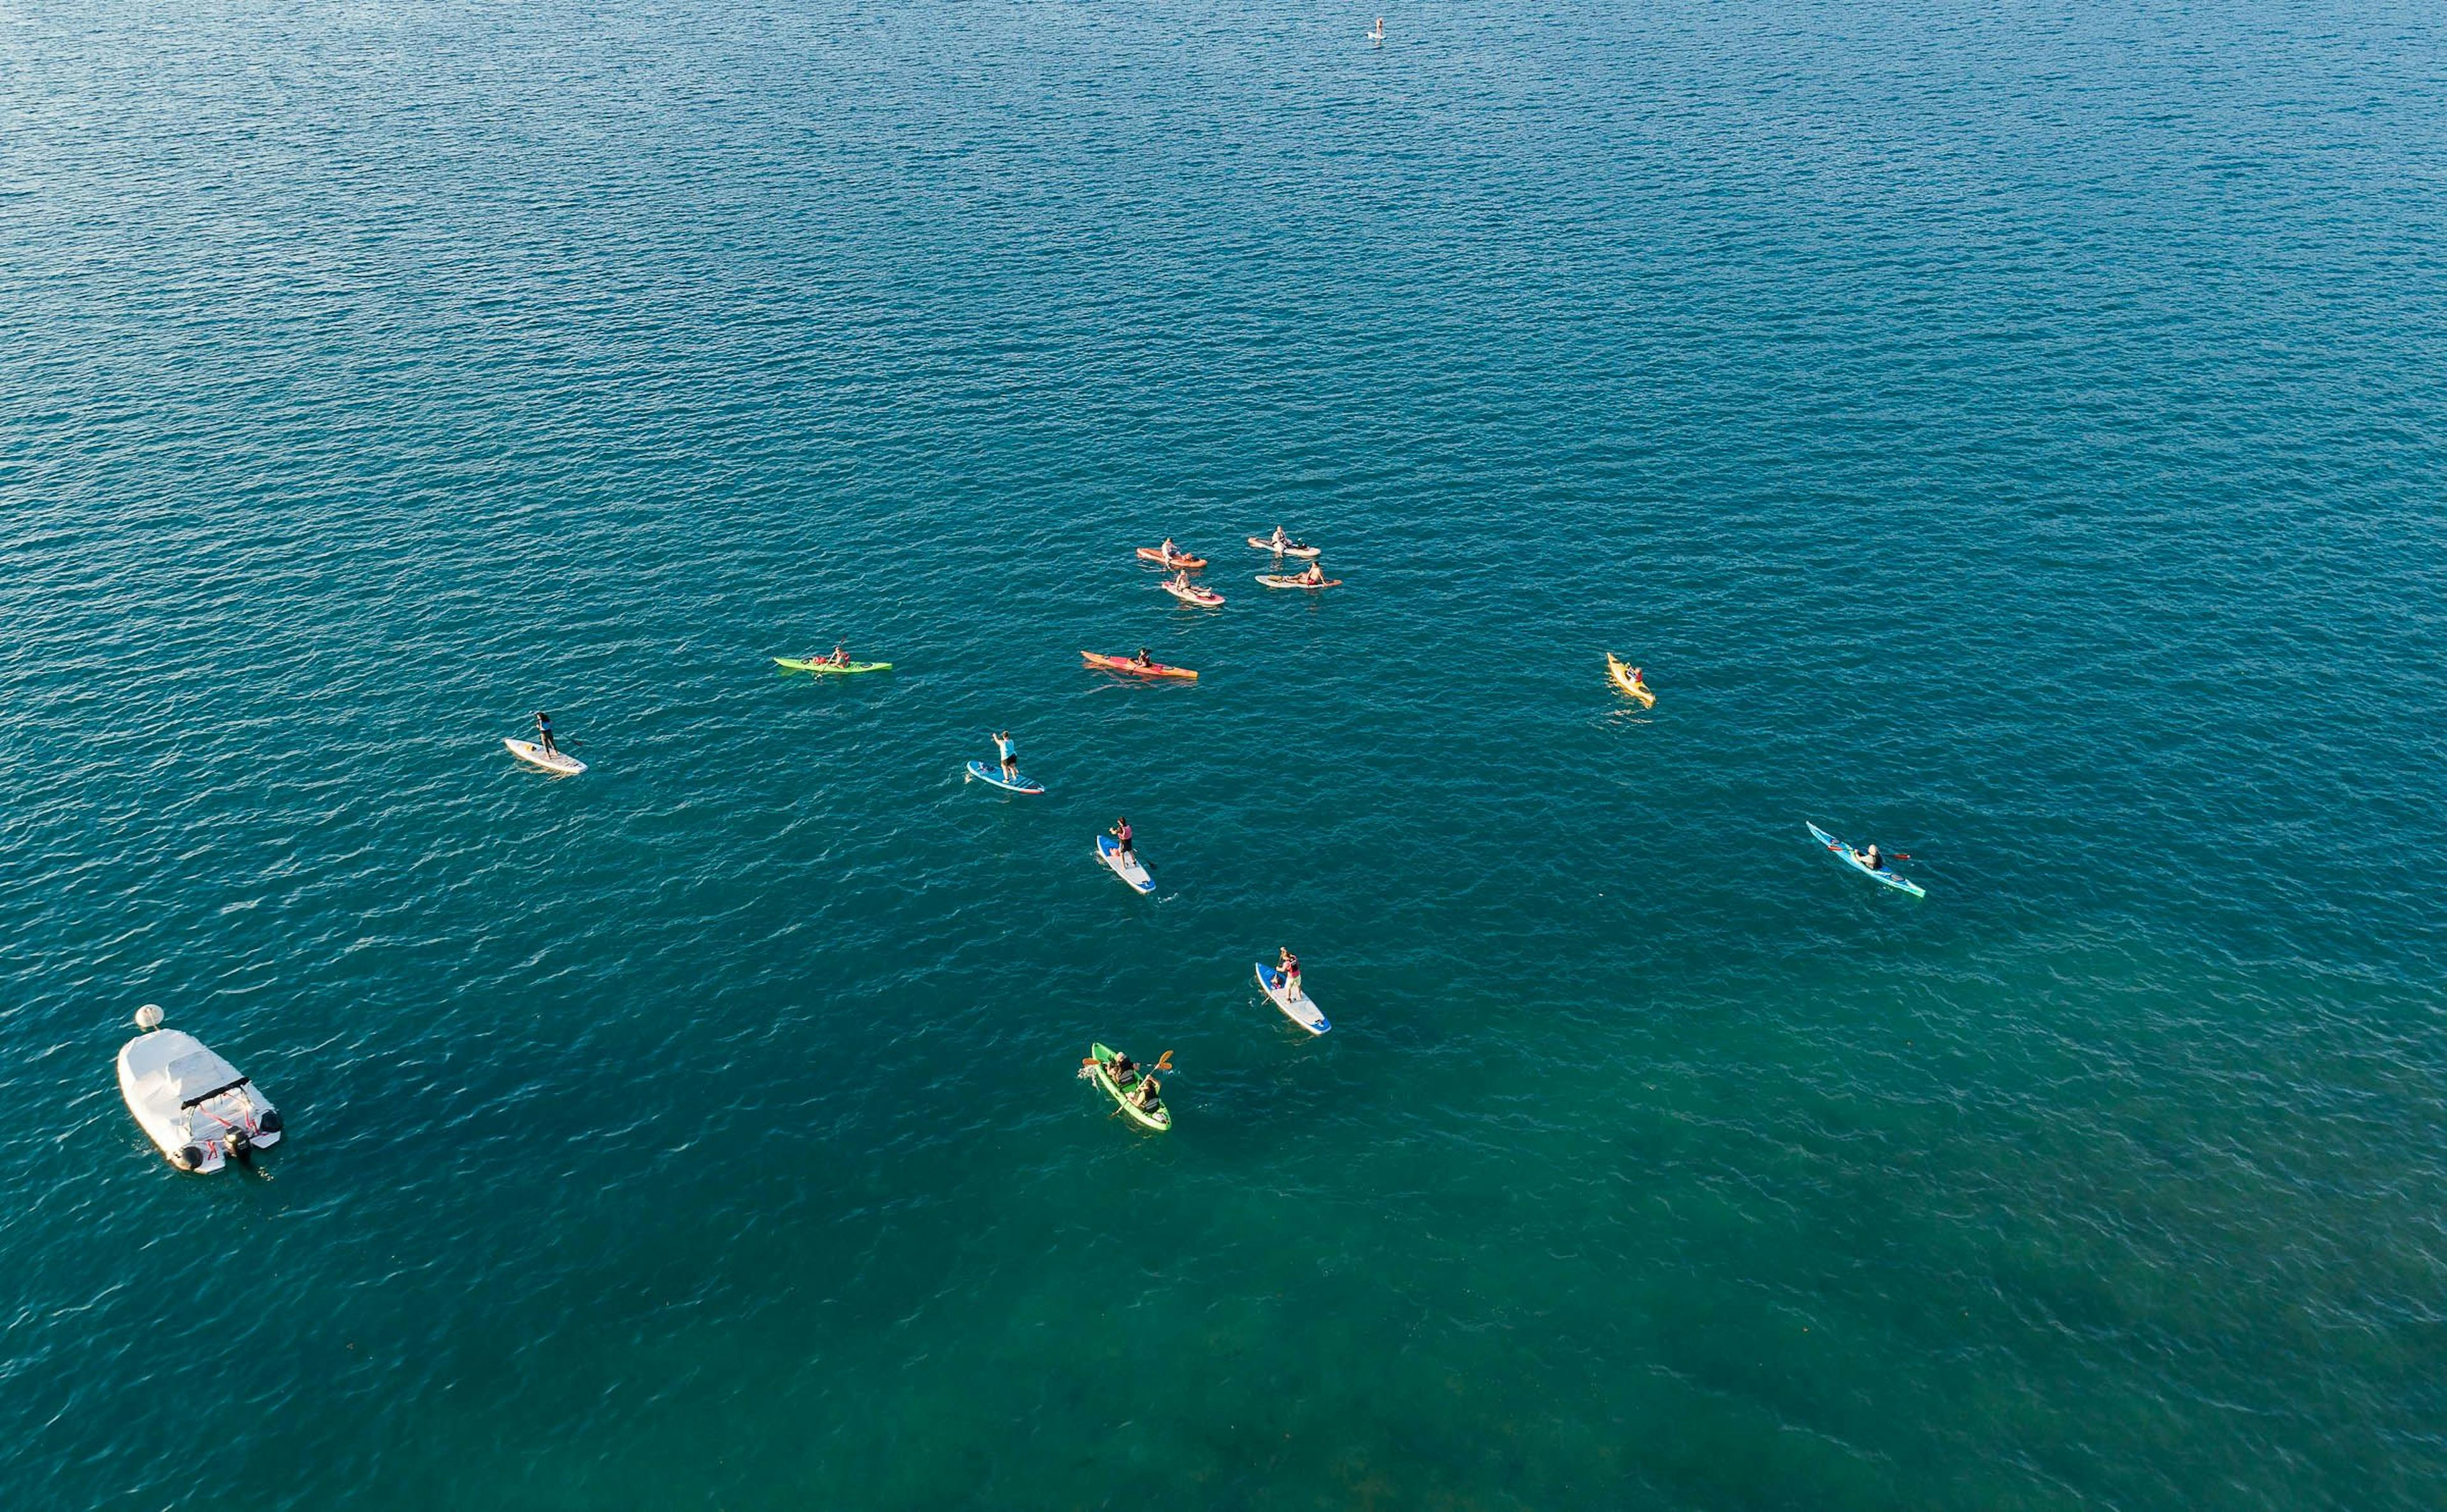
{"x": 1158, "y": 1117}
{"x": 796, "y": 665}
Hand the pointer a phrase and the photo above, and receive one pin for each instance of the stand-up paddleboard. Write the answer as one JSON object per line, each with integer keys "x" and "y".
{"x": 1192, "y": 593}
{"x": 1892, "y": 878}
{"x": 1283, "y": 580}
{"x": 1180, "y": 561}
{"x": 559, "y": 764}
{"x": 1109, "y": 850}
{"x": 1300, "y": 1010}
{"x": 1289, "y": 548}
{"x": 1628, "y": 679}
{"x": 796, "y": 664}
{"x": 992, "y": 776}
{"x": 1158, "y": 1117}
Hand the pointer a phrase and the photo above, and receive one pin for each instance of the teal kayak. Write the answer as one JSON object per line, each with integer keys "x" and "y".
{"x": 1876, "y": 874}
{"x": 1158, "y": 1118}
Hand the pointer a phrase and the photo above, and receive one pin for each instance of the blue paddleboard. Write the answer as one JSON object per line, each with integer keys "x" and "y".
{"x": 979, "y": 771}
{"x": 1109, "y": 850}
{"x": 1299, "y": 1010}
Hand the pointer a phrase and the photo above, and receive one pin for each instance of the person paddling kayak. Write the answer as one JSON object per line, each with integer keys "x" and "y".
{"x": 1120, "y": 1069}
{"x": 1142, "y": 661}
{"x": 1289, "y": 966}
{"x": 543, "y": 734}
{"x": 1872, "y": 859}
{"x": 1143, "y": 1096}
{"x": 1007, "y": 752}
{"x": 1122, "y": 834}
{"x": 840, "y": 656}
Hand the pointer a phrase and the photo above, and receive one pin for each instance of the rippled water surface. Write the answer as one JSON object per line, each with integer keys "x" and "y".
{"x": 2013, "y": 433}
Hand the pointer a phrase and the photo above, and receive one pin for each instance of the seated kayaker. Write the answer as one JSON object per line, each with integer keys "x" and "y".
{"x": 1121, "y": 1070}
{"x": 1871, "y": 859}
{"x": 1122, "y": 835}
{"x": 1146, "y": 1095}
{"x": 840, "y": 656}
{"x": 1142, "y": 659}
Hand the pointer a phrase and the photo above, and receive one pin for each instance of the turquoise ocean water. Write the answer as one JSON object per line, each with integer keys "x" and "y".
{"x": 2013, "y": 433}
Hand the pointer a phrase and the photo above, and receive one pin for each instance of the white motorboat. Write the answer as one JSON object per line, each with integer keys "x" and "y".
{"x": 189, "y": 1101}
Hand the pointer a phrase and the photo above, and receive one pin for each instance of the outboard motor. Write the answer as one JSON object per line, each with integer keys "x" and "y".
{"x": 240, "y": 1148}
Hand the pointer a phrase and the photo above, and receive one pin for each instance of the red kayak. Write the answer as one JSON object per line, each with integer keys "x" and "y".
{"x": 1122, "y": 664}
{"x": 1178, "y": 559}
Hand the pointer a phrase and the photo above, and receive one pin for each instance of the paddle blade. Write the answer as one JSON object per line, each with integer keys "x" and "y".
{"x": 1163, "y": 1061}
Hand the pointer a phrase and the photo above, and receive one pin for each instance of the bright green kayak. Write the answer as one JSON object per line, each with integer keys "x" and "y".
{"x": 1158, "y": 1117}
{"x": 792, "y": 664}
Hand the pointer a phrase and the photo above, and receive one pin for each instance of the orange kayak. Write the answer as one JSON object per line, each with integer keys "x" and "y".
{"x": 1122, "y": 664}
{"x": 1178, "y": 559}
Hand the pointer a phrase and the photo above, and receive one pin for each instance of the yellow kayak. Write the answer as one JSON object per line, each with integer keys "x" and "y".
{"x": 1627, "y": 678}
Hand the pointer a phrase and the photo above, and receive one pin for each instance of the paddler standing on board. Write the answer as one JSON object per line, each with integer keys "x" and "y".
{"x": 543, "y": 734}
{"x": 1289, "y": 966}
{"x": 1008, "y": 753}
{"x": 1123, "y": 834}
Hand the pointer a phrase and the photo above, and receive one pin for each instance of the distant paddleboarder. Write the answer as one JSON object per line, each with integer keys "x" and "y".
{"x": 543, "y": 734}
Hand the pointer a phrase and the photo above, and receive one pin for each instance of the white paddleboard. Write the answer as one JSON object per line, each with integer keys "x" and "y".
{"x": 561, "y": 764}
{"x": 1109, "y": 850}
{"x": 1300, "y": 1010}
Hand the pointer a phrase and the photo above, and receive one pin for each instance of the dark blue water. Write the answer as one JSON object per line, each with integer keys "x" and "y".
{"x": 2010, "y": 433}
